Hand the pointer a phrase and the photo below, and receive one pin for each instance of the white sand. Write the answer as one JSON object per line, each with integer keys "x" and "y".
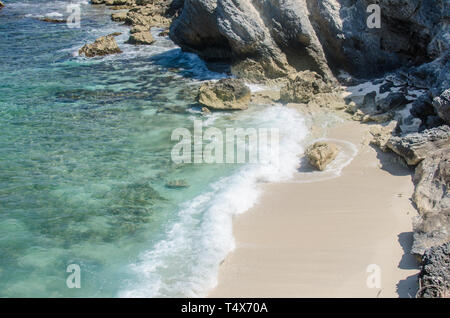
{"x": 317, "y": 239}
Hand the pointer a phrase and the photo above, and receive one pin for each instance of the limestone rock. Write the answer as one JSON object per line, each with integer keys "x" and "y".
{"x": 321, "y": 154}
{"x": 432, "y": 180}
{"x": 381, "y": 134}
{"x": 416, "y": 146}
{"x": 301, "y": 87}
{"x": 139, "y": 28}
{"x": 226, "y": 94}
{"x": 142, "y": 38}
{"x": 102, "y": 46}
{"x": 119, "y": 16}
{"x": 431, "y": 229}
{"x": 434, "y": 276}
{"x": 316, "y": 35}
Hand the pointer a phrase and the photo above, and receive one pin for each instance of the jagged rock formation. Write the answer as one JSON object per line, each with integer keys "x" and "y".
{"x": 271, "y": 38}
{"x": 104, "y": 45}
{"x": 432, "y": 179}
{"x": 141, "y": 38}
{"x": 301, "y": 87}
{"x": 321, "y": 154}
{"x": 441, "y": 105}
{"x": 416, "y": 147}
{"x": 226, "y": 94}
{"x": 434, "y": 276}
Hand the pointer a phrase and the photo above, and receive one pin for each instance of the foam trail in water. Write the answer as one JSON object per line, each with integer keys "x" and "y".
{"x": 186, "y": 262}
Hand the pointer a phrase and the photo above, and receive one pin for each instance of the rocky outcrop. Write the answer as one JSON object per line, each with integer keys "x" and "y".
{"x": 432, "y": 180}
{"x": 274, "y": 37}
{"x": 226, "y": 94}
{"x": 430, "y": 229}
{"x": 381, "y": 134}
{"x": 301, "y": 87}
{"x": 441, "y": 105}
{"x": 104, "y": 45}
{"x": 142, "y": 38}
{"x": 434, "y": 276}
{"x": 1, "y": 5}
{"x": 119, "y": 16}
{"x": 321, "y": 154}
{"x": 417, "y": 146}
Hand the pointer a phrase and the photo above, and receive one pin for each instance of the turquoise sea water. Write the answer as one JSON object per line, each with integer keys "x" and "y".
{"x": 85, "y": 157}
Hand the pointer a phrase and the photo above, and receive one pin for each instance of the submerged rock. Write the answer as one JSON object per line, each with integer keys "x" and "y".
{"x": 143, "y": 38}
{"x": 51, "y": 20}
{"x": 321, "y": 154}
{"x": 416, "y": 146}
{"x": 104, "y": 45}
{"x": 434, "y": 276}
{"x": 177, "y": 184}
{"x": 302, "y": 86}
{"x": 226, "y": 94}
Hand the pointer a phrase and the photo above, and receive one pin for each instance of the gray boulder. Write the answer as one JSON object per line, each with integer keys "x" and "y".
{"x": 441, "y": 105}
{"x": 392, "y": 101}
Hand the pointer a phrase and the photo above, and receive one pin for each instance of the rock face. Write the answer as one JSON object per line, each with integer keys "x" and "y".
{"x": 141, "y": 38}
{"x": 104, "y": 45}
{"x": 226, "y": 94}
{"x": 381, "y": 134}
{"x": 321, "y": 154}
{"x": 301, "y": 87}
{"x": 432, "y": 180}
{"x": 432, "y": 229}
{"x": 272, "y": 37}
{"x": 441, "y": 105}
{"x": 415, "y": 147}
{"x": 434, "y": 276}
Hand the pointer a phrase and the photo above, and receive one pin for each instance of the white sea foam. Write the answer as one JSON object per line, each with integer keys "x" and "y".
{"x": 186, "y": 262}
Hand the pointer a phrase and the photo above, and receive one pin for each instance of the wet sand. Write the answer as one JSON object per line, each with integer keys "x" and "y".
{"x": 317, "y": 239}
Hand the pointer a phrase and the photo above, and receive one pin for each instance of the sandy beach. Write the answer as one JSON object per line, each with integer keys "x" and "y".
{"x": 317, "y": 239}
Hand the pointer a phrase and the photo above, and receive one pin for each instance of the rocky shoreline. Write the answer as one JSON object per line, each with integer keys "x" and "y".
{"x": 309, "y": 48}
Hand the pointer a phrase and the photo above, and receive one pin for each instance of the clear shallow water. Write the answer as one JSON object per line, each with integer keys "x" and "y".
{"x": 85, "y": 156}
